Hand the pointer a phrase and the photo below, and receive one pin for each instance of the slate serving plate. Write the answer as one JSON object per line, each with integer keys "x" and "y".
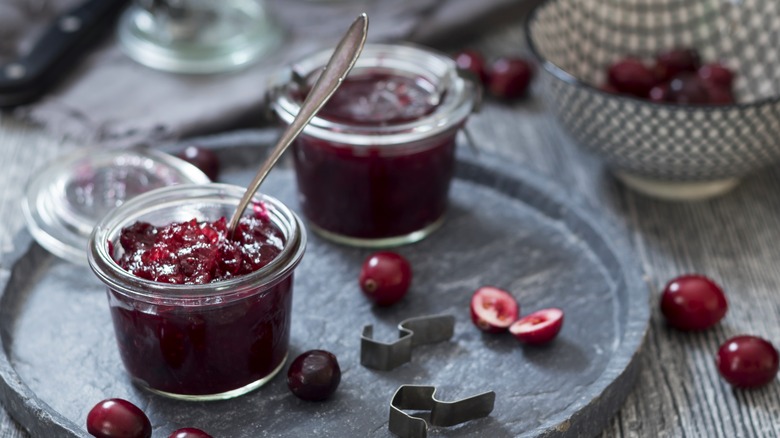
{"x": 506, "y": 227}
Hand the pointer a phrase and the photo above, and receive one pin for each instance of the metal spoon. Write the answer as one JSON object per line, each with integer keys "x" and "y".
{"x": 339, "y": 65}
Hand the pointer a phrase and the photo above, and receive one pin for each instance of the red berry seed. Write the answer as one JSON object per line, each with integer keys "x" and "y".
{"x": 118, "y": 418}
{"x": 747, "y": 361}
{"x": 493, "y": 310}
{"x": 539, "y": 327}
{"x": 693, "y": 302}
{"x": 385, "y": 277}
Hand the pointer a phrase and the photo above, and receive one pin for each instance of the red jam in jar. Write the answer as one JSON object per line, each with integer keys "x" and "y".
{"x": 375, "y": 166}
{"x": 198, "y": 315}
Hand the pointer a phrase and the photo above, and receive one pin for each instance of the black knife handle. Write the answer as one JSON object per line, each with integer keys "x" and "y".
{"x": 58, "y": 49}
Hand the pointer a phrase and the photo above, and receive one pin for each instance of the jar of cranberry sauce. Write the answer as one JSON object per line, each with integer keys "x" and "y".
{"x": 221, "y": 335}
{"x": 374, "y": 167}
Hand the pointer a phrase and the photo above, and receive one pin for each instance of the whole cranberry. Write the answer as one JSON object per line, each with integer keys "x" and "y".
{"x": 717, "y": 74}
{"x": 671, "y": 63}
{"x": 688, "y": 89}
{"x": 189, "y": 432}
{"x": 631, "y": 76}
{"x": 472, "y": 61}
{"x": 747, "y": 361}
{"x": 204, "y": 159}
{"x": 385, "y": 277}
{"x": 508, "y": 78}
{"x": 693, "y": 302}
{"x": 719, "y": 95}
{"x": 118, "y": 418}
{"x": 314, "y": 375}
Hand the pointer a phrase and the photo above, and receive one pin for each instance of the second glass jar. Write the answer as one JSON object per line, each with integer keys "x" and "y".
{"x": 375, "y": 166}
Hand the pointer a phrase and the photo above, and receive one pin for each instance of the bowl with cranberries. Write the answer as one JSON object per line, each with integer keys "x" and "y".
{"x": 679, "y": 99}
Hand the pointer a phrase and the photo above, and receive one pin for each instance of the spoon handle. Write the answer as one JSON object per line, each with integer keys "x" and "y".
{"x": 344, "y": 57}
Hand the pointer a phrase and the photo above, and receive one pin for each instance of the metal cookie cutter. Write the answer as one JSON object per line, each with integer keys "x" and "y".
{"x": 421, "y": 398}
{"x": 412, "y": 332}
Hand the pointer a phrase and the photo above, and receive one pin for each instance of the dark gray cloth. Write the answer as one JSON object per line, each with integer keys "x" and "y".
{"x": 110, "y": 98}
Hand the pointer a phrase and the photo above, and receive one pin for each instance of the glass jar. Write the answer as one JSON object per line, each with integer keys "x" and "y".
{"x": 375, "y": 166}
{"x": 199, "y": 342}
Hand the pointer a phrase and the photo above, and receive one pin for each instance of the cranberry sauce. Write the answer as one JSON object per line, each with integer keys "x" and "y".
{"x": 198, "y": 252}
{"x": 202, "y": 349}
{"x": 210, "y": 350}
{"x": 377, "y": 98}
{"x": 375, "y": 192}
{"x": 361, "y": 192}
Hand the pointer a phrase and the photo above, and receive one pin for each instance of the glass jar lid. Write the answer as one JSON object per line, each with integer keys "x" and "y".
{"x": 64, "y": 201}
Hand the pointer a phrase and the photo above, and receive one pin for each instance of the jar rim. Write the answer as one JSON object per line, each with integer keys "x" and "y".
{"x": 460, "y": 95}
{"x": 124, "y": 282}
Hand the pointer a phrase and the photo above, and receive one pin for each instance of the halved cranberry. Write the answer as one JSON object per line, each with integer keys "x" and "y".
{"x": 508, "y": 78}
{"x": 314, "y": 375}
{"x": 693, "y": 302}
{"x": 118, "y": 418}
{"x": 673, "y": 62}
{"x": 202, "y": 158}
{"x": 747, "y": 361}
{"x": 539, "y": 327}
{"x": 385, "y": 277}
{"x": 717, "y": 74}
{"x": 472, "y": 61}
{"x": 688, "y": 89}
{"x": 631, "y": 76}
{"x": 189, "y": 432}
{"x": 493, "y": 310}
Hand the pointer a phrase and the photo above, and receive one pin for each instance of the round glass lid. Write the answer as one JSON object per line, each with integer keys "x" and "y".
{"x": 66, "y": 199}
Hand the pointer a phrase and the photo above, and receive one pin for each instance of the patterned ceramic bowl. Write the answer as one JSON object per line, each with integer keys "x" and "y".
{"x": 665, "y": 150}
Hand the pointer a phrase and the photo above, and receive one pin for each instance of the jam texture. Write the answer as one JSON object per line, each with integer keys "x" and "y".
{"x": 198, "y": 252}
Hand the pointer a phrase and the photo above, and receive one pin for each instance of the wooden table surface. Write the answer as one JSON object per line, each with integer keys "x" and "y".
{"x": 735, "y": 239}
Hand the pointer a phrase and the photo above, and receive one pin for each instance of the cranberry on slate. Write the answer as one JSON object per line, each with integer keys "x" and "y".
{"x": 493, "y": 310}
{"x": 673, "y": 62}
{"x": 539, "y": 327}
{"x": 472, "y": 61}
{"x": 202, "y": 158}
{"x": 189, "y": 432}
{"x": 688, "y": 89}
{"x": 747, "y": 361}
{"x": 693, "y": 302}
{"x": 631, "y": 76}
{"x": 717, "y": 74}
{"x": 385, "y": 277}
{"x": 508, "y": 78}
{"x": 118, "y": 418}
{"x": 314, "y": 375}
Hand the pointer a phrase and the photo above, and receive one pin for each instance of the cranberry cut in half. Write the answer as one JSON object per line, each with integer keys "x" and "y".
{"x": 493, "y": 310}
{"x": 385, "y": 277}
{"x": 202, "y": 158}
{"x": 118, "y": 418}
{"x": 314, "y": 375}
{"x": 747, "y": 361}
{"x": 631, "y": 76}
{"x": 539, "y": 327}
{"x": 508, "y": 78}
{"x": 693, "y": 302}
{"x": 189, "y": 432}
{"x": 472, "y": 61}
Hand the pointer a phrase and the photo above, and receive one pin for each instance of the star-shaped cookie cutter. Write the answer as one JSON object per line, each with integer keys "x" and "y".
{"x": 443, "y": 414}
{"x": 412, "y": 332}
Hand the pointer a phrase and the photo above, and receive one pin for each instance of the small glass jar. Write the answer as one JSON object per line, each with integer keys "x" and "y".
{"x": 199, "y": 342}
{"x": 375, "y": 166}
